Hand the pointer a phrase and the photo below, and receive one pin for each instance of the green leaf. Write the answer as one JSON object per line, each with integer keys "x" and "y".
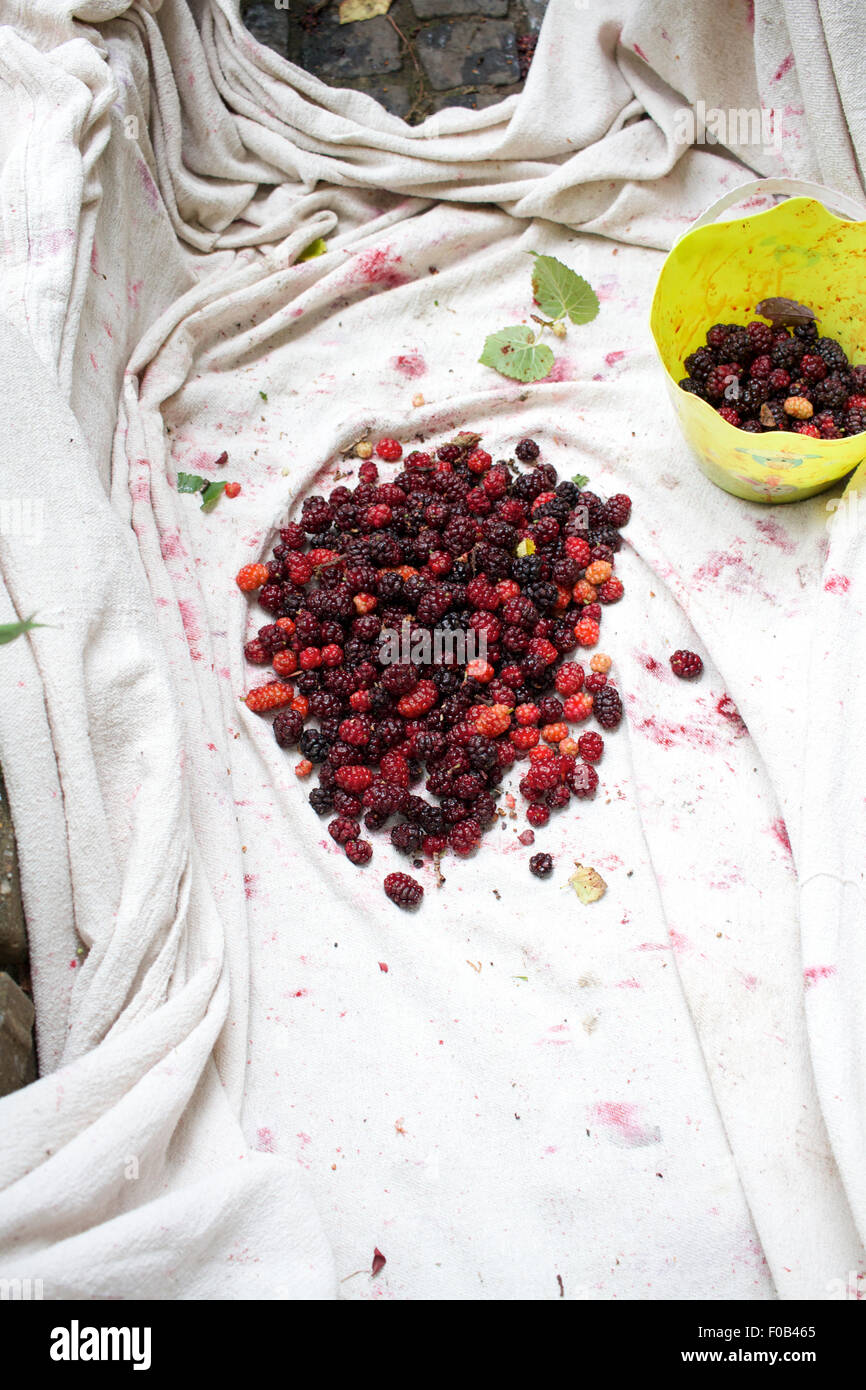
{"x": 264, "y": 395}
{"x": 560, "y": 291}
{"x": 9, "y": 631}
{"x": 211, "y": 495}
{"x": 580, "y": 480}
{"x": 315, "y": 248}
{"x": 190, "y": 482}
{"x": 515, "y": 353}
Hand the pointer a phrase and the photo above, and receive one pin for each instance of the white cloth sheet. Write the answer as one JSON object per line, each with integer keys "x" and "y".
{"x": 656, "y": 1097}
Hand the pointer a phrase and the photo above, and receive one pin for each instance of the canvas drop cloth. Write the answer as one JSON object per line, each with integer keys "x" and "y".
{"x": 659, "y": 1096}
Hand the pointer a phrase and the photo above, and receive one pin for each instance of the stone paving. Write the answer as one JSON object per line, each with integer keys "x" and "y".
{"x": 17, "y": 1055}
{"x": 422, "y": 56}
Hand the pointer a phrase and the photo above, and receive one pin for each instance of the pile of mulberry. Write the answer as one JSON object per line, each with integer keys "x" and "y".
{"x": 410, "y": 734}
{"x": 760, "y": 378}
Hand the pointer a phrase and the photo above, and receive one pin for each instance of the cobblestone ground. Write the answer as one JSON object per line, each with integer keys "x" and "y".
{"x": 421, "y": 56}
{"x": 17, "y": 1056}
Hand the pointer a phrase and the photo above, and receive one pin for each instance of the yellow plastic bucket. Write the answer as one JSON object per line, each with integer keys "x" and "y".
{"x": 718, "y": 273}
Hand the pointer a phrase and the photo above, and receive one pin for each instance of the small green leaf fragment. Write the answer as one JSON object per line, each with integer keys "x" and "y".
{"x": 560, "y": 292}
{"x": 211, "y": 495}
{"x": 9, "y": 631}
{"x": 190, "y": 482}
{"x": 580, "y": 480}
{"x": 515, "y": 353}
{"x": 315, "y": 248}
{"x": 264, "y": 395}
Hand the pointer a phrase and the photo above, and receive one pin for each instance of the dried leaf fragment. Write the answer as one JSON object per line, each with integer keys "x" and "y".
{"x": 350, "y": 10}
{"x": 587, "y": 883}
{"x": 784, "y": 313}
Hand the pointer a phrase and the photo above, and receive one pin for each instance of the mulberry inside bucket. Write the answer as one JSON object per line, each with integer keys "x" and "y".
{"x": 718, "y": 274}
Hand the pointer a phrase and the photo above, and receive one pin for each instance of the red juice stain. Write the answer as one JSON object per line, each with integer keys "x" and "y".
{"x": 780, "y": 831}
{"x": 773, "y": 534}
{"x": 378, "y": 267}
{"x": 265, "y": 1143}
{"x": 728, "y": 710}
{"x": 562, "y": 370}
{"x": 383, "y": 967}
{"x": 668, "y": 735}
{"x": 189, "y": 618}
{"x": 837, "y": 584}
{"x": 650, "y": 664}
{"x": 151, "y": 192}
{"x": 739, "y": 577}
{"x": 409, "y": 364}
{"x": 611, "y": 358}
{"x": 814, "y": 973}
{"x": 623, "y": 1120}
{"x": 171, "y": 544}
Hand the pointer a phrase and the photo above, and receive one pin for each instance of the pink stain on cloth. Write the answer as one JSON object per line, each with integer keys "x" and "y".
{"x": 409, "y": 364}
{"x": 814, "y": 973}
{"x": 265, "y": 1141}
{"x": 623, "y": 1126}
{"x": 378, "y": 266}
{"x": 770, "y": 532}
{"x": 191, "y": 626}
{"x": 837, "y": 584}
{"x": 779, "y": 831}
